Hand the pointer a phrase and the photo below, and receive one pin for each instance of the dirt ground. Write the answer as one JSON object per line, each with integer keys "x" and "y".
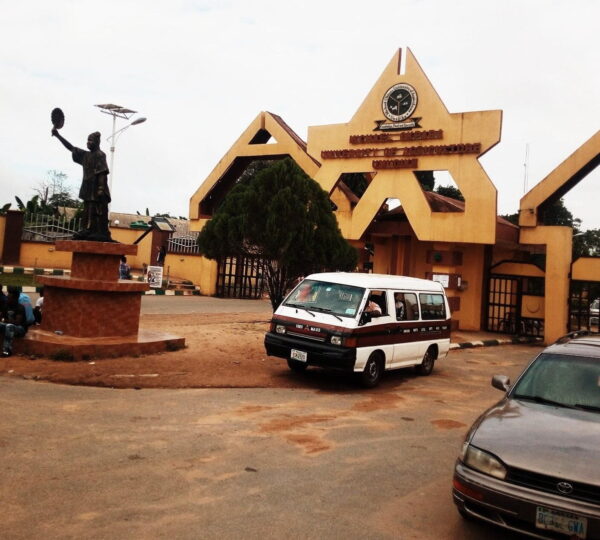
{"x": 222, "y": 350}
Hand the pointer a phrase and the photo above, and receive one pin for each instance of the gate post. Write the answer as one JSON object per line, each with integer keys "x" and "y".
{"x": 13, "y": 231}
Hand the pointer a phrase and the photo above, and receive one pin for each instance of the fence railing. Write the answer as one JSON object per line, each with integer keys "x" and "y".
{"x": 185, "y": 244}
{"x": 44, "y": 228}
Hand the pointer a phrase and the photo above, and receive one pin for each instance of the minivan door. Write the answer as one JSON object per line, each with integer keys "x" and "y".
{"x": 407, "y": 351}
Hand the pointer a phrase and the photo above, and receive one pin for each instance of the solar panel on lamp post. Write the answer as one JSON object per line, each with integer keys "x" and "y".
{"x": 116, "y": 111}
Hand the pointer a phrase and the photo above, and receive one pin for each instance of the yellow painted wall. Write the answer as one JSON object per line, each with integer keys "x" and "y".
{"x": 129, "y": 236}
{"x": 518, "y": 269}
{"x": 43, "y": 255}
{"x": 382, "y": 255}
{"x": 471, "y": 271}
{"x": 586, "y": 269}
{"x": 197, "y": 269}
{"x": 532, "y": 306}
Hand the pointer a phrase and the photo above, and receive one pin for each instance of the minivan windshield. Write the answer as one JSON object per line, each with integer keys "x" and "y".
{"x": 322, "y": 296}
{"x": 564, "y": 380}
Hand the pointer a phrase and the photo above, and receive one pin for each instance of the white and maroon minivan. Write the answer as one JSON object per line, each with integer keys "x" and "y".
{"x": 363, "y": 323}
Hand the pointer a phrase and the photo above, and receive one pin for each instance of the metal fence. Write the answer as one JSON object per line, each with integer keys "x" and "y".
{"x": 184, "y": 242}
{"x": 45, "y": 228}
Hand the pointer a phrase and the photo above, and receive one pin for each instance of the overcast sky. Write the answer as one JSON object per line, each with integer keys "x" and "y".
{"x": 201, "y": 71}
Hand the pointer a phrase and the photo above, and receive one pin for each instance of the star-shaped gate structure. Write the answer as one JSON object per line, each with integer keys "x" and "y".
{"x": 429, "y": 139}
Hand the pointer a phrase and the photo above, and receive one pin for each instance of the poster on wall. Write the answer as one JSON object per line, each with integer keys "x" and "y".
{"x": 155, "y": 276}
{"x": 444, "y": 279}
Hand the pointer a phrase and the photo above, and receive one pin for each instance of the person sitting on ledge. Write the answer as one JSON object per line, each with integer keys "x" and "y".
{"x": 124, "y": 268}
{"x": 13, "y": 322}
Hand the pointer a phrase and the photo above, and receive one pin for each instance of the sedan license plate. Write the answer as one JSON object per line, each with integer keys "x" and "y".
{"x": 301, "y": 356}
{"x": 562, "y": 522}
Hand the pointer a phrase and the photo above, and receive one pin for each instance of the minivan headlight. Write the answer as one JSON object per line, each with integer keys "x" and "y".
{"x": 280, "y": 329}
{"x": 336, "y": 340}
{"x": 482, "y": 461}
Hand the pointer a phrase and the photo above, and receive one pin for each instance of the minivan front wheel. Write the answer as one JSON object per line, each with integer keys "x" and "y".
{"x": 371, "y": 375}
{"x": 426, "y": 365}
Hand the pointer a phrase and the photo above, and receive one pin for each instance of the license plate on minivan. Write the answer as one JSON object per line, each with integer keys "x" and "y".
{"x": 301, "y": 356}
{"x": 562, "y": 522}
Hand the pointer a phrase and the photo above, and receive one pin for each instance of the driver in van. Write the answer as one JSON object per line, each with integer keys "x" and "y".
{"x": 304, "y": 293}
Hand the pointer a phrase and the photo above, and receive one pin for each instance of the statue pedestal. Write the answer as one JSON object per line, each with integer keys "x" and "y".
{"x": 92, "y": 313}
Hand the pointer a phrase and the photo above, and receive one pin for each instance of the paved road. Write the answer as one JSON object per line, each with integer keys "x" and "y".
{"x": 175, "y": 305}
{"x": 326, "y": 462}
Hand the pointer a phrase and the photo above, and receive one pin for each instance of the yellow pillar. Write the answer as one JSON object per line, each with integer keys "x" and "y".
{"x": 559, "y": 245}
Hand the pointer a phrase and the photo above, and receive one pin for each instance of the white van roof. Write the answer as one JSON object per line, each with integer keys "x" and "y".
{"x": 378, "y": 281}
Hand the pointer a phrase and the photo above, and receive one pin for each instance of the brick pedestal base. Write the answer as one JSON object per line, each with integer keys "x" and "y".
{"x": 92, "y": 312}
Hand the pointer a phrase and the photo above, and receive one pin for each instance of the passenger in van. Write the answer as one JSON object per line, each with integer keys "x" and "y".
{"x": 399, "y": 303}
{"x": 373, "y": 307}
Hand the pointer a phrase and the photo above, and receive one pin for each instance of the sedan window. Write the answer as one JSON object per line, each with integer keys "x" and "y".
{"x": 569, "y": 381}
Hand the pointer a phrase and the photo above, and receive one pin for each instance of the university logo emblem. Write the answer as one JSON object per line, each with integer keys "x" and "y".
{"x": 398, "y": 103}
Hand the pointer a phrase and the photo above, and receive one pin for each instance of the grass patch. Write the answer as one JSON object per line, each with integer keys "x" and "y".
{"x": 23, "y": 280}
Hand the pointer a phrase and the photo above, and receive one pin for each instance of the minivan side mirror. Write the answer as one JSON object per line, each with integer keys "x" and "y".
{"x": 365, "y": 318}
{"x": 501, "y": 382}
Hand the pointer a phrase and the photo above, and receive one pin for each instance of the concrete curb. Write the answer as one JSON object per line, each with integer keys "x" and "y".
{"x": 152, "y": 292}
{"x": 35, "y": 271}
{"x": 494, "y": 342}
{"x": 59, "y": 272}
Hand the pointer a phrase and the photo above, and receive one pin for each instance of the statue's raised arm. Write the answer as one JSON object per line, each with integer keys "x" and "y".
{"x": 64, "y": 141}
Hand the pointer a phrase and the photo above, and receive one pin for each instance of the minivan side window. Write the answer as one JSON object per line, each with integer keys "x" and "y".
{"x": 432, "y": 306}
{"x": 407, "y": 308}
{"x": 377, "y": 298}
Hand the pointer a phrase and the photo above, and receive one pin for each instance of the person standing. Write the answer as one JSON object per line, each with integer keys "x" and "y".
{"x": 39, "y": 306}
{"x": 12, "y": 322}
{"x": 160, "y": 258}
{"x": 25, "y": 301}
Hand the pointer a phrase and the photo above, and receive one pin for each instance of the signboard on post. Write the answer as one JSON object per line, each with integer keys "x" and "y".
{"x": 155, "y": 276}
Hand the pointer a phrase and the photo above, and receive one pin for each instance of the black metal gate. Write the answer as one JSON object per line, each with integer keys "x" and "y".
{"x": 504, "y": 305}
{"x": 240, "y": 277}
{"x": 584, "y": 303}
{"x": 505, "y": 297}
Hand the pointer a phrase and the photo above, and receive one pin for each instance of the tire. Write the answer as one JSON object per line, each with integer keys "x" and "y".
{"x": 464, "y": 515}
{"x": 426, "y": 365}
{"x": 297, "y": 367}
{"x": 371, "y": 375}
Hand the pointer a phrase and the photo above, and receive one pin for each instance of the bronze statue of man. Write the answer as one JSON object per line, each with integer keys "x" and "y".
{"x": 94, "y": 190}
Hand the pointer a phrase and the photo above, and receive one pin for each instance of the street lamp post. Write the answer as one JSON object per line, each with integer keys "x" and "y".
{"x": 116, "y": 111}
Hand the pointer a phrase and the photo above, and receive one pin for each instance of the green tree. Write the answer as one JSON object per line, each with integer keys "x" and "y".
{"x": 426, "y": 179}
{"x": 450, "y": 191}
{"x": 558, "y": 214}
{"x": 357, "y": 183}
{"x": 284, "y": 217}
{"x": 586, "y": 244}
